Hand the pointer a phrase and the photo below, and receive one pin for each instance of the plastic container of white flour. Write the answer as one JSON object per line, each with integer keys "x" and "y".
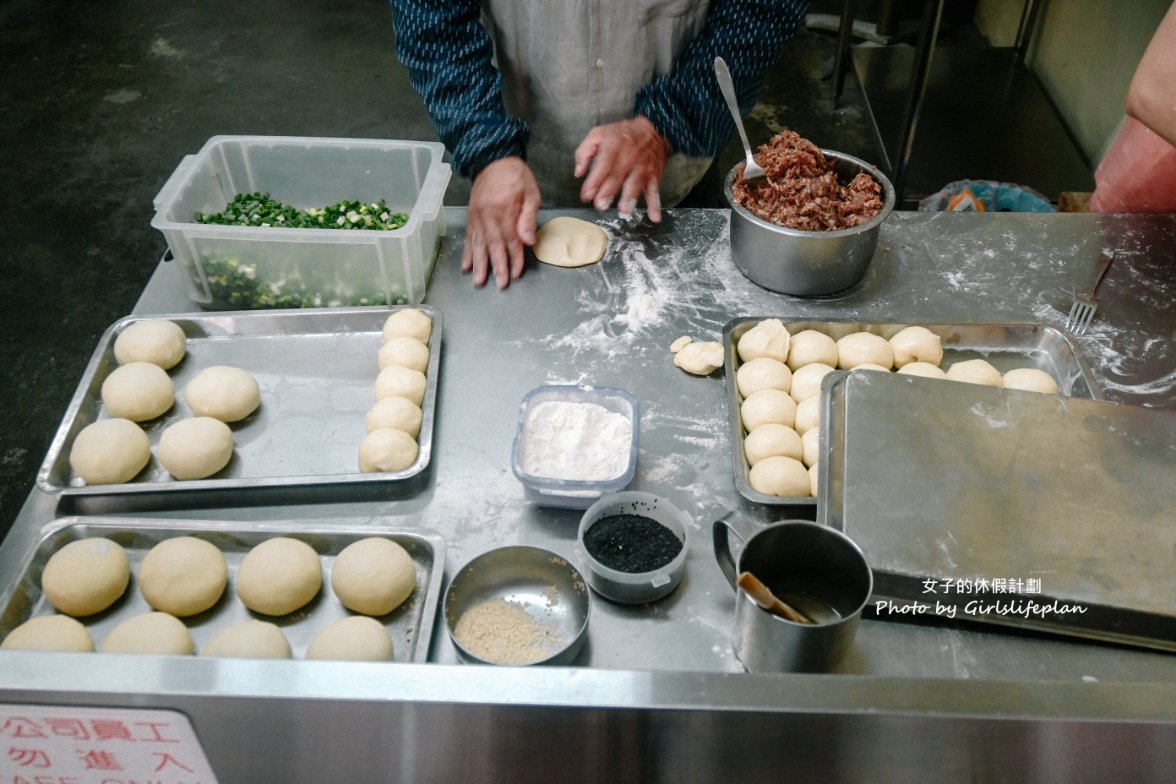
{"x": 573, "y": 444}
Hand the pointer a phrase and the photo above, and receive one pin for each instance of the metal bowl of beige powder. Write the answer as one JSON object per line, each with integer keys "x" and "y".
{"x": 517, "y": 606}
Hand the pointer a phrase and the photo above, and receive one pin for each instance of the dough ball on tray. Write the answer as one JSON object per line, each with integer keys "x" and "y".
{"x": 806, "y": 381}
{"x": 355, "y": 638}
{"x": 408, "y": 322}
{"x": 49, "y": 633}
{"x": 158, "y": 341}
{"x": 808, "y": 414}
{"x": 762, "y": 373}
{"x": 809, "y": 346}
{"x": 195, "y": 448}
{"x": 183, "y": 575}
{"x": 975, "y": 371}
{"x": 153, "y": 632}
{"x": 252, "y": 639}
{"x": 86, "y": 576}
{"x": 397, "y": 413}
{"x": 768, "y": 338}
{"x": 110, "y": 452}
{"x": 373, "y": 576}
{"x": 779, "y": 476}
{"x": 770, "y": 440}
{"x": 924, "y": 369}
{"x": 397, "y": 381}
{"x": 1030, "y": 380}
{"x": 138, "y": 391}
{"x": 768, "y": 405}
{"x": 223, "y": 392}
{"x": 810, "y": 444}
{"x": 404, "y": 351}
{"x": 916, "y": 344}
{"x": 386, "y": 449}
{"x": 859, "y": 348}
{"x": 279, "y": 576}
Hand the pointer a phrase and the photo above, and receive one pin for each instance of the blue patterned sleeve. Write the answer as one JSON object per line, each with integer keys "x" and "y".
{"x": 686, "y": 106}
{"x": 447, "y": 52}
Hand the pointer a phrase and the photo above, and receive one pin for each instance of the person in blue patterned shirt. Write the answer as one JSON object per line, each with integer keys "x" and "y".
{"x": 547, "y": 103}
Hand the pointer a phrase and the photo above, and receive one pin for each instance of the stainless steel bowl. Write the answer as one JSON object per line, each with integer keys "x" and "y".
{"x": 807, "y": 263}
{"x": 539, "y": 582}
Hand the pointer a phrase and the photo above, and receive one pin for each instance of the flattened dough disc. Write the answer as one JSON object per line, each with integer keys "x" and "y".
{"x": 570, "y": 242}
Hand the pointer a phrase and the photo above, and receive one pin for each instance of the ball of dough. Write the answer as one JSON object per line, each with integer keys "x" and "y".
{"x": 806, "y": 381}
{"x": 701, "y": 358}
{"x": 183, "y": 575}
{"x": 570, "y": 242}
{"x": 222, "y": 392}
{"x": 158, "y": 341}
{"x": 762, "y": 373}
{"x": 767, "y": 405}
{"x": 252, "y": 639}
{"x": 373, "y": 576}
{"x": 1030, "y": 380}
{"x": 770, "y": 440}
{"x": 397, "y": 381}
{"x": 768, "y": 338}
{"x": 397, "y": 413}
{"x": 49, "y": 633}
{"x": 279, "y": 576}
{"x": 109, "y": 452}
{"x": 86, "y": 576}
{"x": 809, "y": 346}
{"x": 975, "y": 371}
{"x": 153, "y": 632}
{"x": 808, "y": 414}
{"x": 779, "y": 476}
{"x": 404, "y": 351}
{"x": 871, "y": 366}
{"x": 810, "y": 444}
{"x": 195, "y": 448}
{"x": 138, "y": 391}
{"x": 386, "y": 449}
{"x": 925, "y": 369}
{"x": 814, "y": 479}
{"x": 355, "y": 638}
{"x": 409, "y": 323}
{"x": 859, "y": 348}
{"x": 680, "y": 344}
{"x": 916, "y": 344}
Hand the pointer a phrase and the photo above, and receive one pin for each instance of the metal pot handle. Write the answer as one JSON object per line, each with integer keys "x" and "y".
{"x": 721, "y": 533}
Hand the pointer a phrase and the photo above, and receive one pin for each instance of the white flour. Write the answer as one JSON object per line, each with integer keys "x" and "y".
{"x": 578, "y": 441}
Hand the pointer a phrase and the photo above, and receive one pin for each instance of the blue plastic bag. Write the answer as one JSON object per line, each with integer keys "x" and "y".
{"x": 985, "y": 196}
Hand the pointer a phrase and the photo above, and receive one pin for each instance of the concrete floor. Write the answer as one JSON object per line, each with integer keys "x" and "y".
{"x": 101, "y": 102}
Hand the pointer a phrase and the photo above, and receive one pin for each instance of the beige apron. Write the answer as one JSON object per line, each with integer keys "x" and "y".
{"x": 570, "y": 65}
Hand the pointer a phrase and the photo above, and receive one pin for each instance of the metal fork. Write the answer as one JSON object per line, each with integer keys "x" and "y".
{"x": 1086, "y": 303}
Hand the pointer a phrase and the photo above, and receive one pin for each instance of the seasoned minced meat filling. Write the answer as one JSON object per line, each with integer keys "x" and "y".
{"x": 801, "y": 190}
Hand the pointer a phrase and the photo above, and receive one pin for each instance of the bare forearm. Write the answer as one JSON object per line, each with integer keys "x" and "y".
{"x": 1151, "y": 99}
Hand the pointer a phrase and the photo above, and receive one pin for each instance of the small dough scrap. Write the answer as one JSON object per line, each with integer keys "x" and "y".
{"x": 809, "y": 346}
{"x": 195, "y": 448}
{"x": 859, "y": 348}
{"x": 183, "y": 575}
{"x": 570, "y": 242}
{"x": 762, "y": 373}
{"x": 808, "y": 414}
{"x": 397, "y": 381}
{"x": 252, "y": 639}
{"x": 373, "y": 576}
{"x": 110, "y": 452}
{"x": 765, "y": 406}
{"x": 768, "y": 338}
{"x": 223, "y": 392}
{"x": 404, "y": 351}
{"x": 409, "y": 323}
{"x": 49, "y": 633}
{"x": 925, "y": 369}
{"x": 86, "y": 576}
{"x": 700, "y": 358}
{"x": 158, "y": 341}
{"x": 397, "y": 413}
{"x": 279, "y": 576}
{"x": 355, "y": 638}
{"x": 779, "y": 476}
{"x": 387, "y": 449}
{"x": 138, "y": 391}
{"x": 153, "y": 632}
{"x": 814, "y": 478}
{"x": 916, "y": 344}
{"x": 680, "y": 344}
{"x": 1030, "y": 380}
{"x": 770, "y": 440}
{"x": 811, "y": 446}
{"x": 975, "y": 371}
{"x": 806, "y": 381}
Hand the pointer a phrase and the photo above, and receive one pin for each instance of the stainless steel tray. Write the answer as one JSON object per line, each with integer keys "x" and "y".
{"x": 953, "y": 497}
{"x": 1006, "y": 346}
{"x": 410, "y": 625}
{"x": 317, "y": 370}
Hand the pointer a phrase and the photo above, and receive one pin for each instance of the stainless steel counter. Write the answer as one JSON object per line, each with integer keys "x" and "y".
{"x": 657, "y": 693}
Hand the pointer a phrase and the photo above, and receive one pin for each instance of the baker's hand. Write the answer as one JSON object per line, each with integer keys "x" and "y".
{"x": 504, "y": 205}
{"x": 623, "y": 158}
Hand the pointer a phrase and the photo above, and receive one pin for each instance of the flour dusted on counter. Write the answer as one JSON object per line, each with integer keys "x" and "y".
{"x": 577, "y": 441}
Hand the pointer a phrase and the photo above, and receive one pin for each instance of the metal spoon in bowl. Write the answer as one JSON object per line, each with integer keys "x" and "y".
{"x": 752, "y": 170}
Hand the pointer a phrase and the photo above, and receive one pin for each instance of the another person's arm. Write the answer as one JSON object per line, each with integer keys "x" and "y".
{"x": 448, "y": 56}
{"x": 1151, "y": 99}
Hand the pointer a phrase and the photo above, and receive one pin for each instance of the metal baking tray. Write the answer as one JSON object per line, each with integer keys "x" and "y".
{"x": 410, "y": 625}
{"x": 317, "y": 370}
{"x": 1006, "y": 346}
{"x": 955, "y": 497}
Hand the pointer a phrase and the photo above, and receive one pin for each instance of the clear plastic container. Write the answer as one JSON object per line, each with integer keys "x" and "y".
{"x": 572, "y": 493}
{"x": 242, "y": 267}
{"x": 634, "y": 587}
